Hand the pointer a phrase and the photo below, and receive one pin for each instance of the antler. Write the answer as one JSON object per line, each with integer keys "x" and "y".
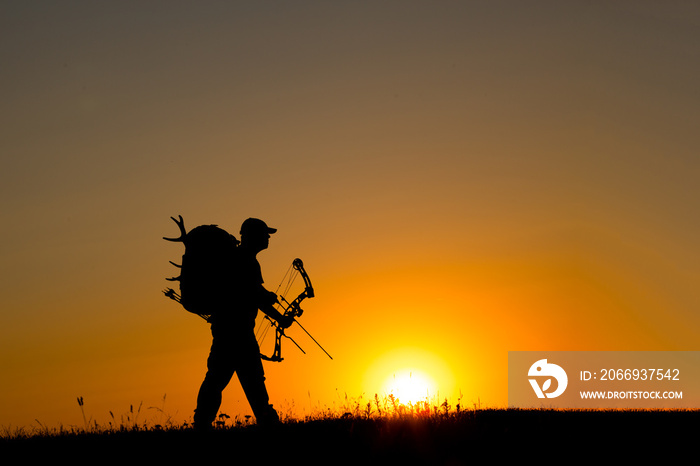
{"x": 183, "y": 231}
{"x": 175, "y": 279}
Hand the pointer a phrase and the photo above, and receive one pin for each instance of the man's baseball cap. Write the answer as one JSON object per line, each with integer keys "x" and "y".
{"x": 255, "y": 226}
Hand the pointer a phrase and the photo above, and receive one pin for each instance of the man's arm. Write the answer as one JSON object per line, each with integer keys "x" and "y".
{"x": 266, "y": 304}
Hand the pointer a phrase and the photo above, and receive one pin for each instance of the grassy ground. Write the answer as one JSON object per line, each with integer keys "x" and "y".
{"x": 463, "y": 437}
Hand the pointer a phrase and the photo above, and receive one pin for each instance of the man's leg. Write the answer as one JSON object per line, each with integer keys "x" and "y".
{"x": 252, "y": 377}
{"x": 220, "y": 368}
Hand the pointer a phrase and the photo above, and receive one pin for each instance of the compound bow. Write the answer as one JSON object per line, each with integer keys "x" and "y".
{"x": 290, "y": 309}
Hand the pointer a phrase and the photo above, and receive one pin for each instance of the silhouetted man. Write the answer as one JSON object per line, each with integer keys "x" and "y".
{"x": 234, "y": 347}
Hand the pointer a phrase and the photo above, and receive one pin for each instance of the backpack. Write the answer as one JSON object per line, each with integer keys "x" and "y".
{"x": 206, "y": 269}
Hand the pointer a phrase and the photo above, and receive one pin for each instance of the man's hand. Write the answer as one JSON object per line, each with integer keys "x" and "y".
{"x": 282, "y": 320}
{"x": 285, "y": 321}
{"x": 271, "y": 298}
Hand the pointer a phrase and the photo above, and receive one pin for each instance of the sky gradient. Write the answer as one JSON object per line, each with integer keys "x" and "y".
{"x": 461, "y": 179}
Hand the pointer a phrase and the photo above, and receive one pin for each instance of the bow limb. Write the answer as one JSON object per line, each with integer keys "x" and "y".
{"x": 277, "y": 352}
{"x": 292, "y": 308}
{"x": 276, "y": 355}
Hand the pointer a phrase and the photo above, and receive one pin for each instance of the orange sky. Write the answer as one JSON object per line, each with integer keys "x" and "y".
{"x": 461, "y": 179}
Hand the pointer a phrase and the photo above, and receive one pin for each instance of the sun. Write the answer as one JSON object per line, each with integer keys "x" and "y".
{"x": 410, "y": 386}
{"x": 410, "y": 374}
